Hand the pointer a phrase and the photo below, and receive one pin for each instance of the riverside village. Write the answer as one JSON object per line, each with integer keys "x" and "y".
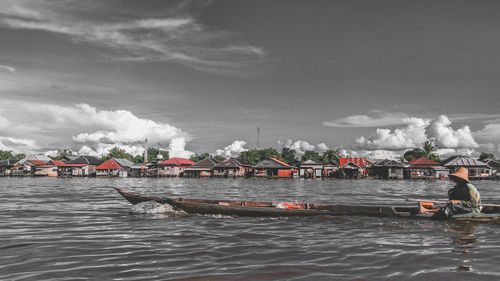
{"x": 419, "y": 163}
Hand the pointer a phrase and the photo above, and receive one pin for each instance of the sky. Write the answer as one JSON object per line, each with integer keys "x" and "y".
{"x": 374, "y": 78}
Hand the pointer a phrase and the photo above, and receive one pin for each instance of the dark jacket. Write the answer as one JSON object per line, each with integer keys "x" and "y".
{"x": 467, "y": 194}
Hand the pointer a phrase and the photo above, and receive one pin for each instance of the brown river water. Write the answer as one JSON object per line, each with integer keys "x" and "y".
{"x": 81, "y": 229}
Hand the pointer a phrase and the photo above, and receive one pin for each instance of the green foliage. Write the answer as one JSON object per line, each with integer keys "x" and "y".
{"x": 485, "y": 156}
{"x": 138, "y": 159}
{"x": 117, "y": 152}
{"x": 311, "y": 155}
{"x": 154, "y": 152}
{"x": 427, "y": 151}
{"x": 289, "y": 156}
{"x": 219, "y": 158}
{"x": 4, "y": 155}
{"x": 414, "y": 154}
{"x": 199, "y": 156}
{"x": 331, "y": 155}
{"x": 255, "y": 155}
{"x": 20, "y": 156}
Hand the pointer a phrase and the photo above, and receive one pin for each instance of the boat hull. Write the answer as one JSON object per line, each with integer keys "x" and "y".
{"x": 269, "y": 209}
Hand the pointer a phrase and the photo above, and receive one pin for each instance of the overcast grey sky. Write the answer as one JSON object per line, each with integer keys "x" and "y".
{"x": 376, "y": 77}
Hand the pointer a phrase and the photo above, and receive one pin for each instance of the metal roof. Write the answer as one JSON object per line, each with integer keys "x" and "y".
{"x": 233, "y": 163}
{"x": 272, "y": 163}
{"x": 464, "y": 161}
{"x": 205, "y": 163}
{"x": 91, "y": 160}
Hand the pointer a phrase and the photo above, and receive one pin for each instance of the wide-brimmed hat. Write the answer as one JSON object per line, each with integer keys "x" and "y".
{"x": 461, "y": 173}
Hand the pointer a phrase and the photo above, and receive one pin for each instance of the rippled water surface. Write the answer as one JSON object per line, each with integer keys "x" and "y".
{"x": 80, "y": 229}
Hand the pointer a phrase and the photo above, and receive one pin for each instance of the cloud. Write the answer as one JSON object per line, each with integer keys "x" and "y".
{"x": 18, "y": 145}
{"x": 410, "y": 136}
{"x": 299, "y": 146}
{"x": 232, "y": 150}
{"x": 322, "y": 147}
{"x": 88, "y": 129}
{"x": 445, "y": 136}
{"x": 490, "y": 133}
{"x": 169, "y": 33}
{"x": 7, "y": 68}
{"x": 379, "y": 119}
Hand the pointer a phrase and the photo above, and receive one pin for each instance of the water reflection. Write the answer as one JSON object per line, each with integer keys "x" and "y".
{"x": 464, "y": 240}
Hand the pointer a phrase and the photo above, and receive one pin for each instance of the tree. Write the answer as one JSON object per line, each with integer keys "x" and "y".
{"x": 485, "y": 156}
{"x": 331, "y": 155}
{"x": 117, "y": 152}
{"x": 20, "y": 156}
{"x": 138, "y": 159}
{"x": 154, "y": 152}
{"x": 414, "y": 154}
{"x": 289, "y": 156}
{"x": 427, "y": 151}
{"x": 311, "y": 155}
{"x": 4, "y": 155}
{"x": 255, "y": 155}
{"x": 199, "y": 156}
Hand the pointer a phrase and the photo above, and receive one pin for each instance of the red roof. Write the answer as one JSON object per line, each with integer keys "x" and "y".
{"x": 57, "y": 163}
{"x": 111, "y": 164}
{"x": 38, "y": 162}
{"x": 177, "y": 161}
{"x": 361, "y": 162}
{"x": 281, "y": 162}
{"x": 422, "y": 162}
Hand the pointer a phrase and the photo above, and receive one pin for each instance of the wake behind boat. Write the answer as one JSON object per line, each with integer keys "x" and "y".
{"x": 287, "y": 209}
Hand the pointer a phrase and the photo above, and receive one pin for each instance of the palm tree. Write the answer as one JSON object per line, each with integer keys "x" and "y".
{"x": 430, "y": 150}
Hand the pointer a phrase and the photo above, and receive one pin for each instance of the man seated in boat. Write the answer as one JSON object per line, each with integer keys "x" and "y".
{"x": 464, "y": 197}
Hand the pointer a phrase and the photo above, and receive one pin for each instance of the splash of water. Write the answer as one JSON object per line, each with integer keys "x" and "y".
{"x": 152, "y": 208}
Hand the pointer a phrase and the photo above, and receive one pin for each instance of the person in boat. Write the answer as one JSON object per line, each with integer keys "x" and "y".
{"x": 463, "y": 197}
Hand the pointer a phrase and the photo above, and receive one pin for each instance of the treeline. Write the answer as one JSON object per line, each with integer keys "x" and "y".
{"x": 252, "y": 156}
{"x": 287, "y": 155}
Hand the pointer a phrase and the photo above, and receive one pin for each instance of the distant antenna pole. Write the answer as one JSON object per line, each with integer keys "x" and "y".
{"x": 258, "y": 137}
{"x": 146, "y": 152}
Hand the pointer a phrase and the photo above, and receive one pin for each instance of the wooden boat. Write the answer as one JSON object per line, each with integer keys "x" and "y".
{"x": 286, "y": 209}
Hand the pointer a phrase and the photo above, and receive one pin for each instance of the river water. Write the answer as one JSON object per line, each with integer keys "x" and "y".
{"x": 81, "y": 229}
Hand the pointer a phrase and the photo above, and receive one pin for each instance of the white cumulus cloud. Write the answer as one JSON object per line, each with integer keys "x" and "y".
{"x": 92, "y": 131}
{"x": 299, "y": 146}
{"x": 445, "y": 136}
{"x": 375, "y": 119}
{"x": 410, "y": 136}
{"x": 232, "y": 150}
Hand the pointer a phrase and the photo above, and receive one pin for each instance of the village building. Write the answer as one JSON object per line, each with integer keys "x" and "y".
{"x": 50, "y": 169}
{"x": 272, "y": 167}
{"x": 67, "y": 158}
{"x": 311, "y": 169}
{"x": 201, "y": 169}
{"x": 423, "y": 168}
{"x": 353, "y": 167}
{"x": 388, "y": 169}
{"x": 144, "y": 170}
{"x": 495, "y": 167}
{"x": 232, "y": 168}
{"x": 26, "y": 166}
{"x": 82, "y": 166}
{"x": 477, "y": 169}
{"x": 173, "y": 167}
{"x": 6, "y": 165}
{"x": 330, "y": 169}
{"x": 114, "y": 167}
